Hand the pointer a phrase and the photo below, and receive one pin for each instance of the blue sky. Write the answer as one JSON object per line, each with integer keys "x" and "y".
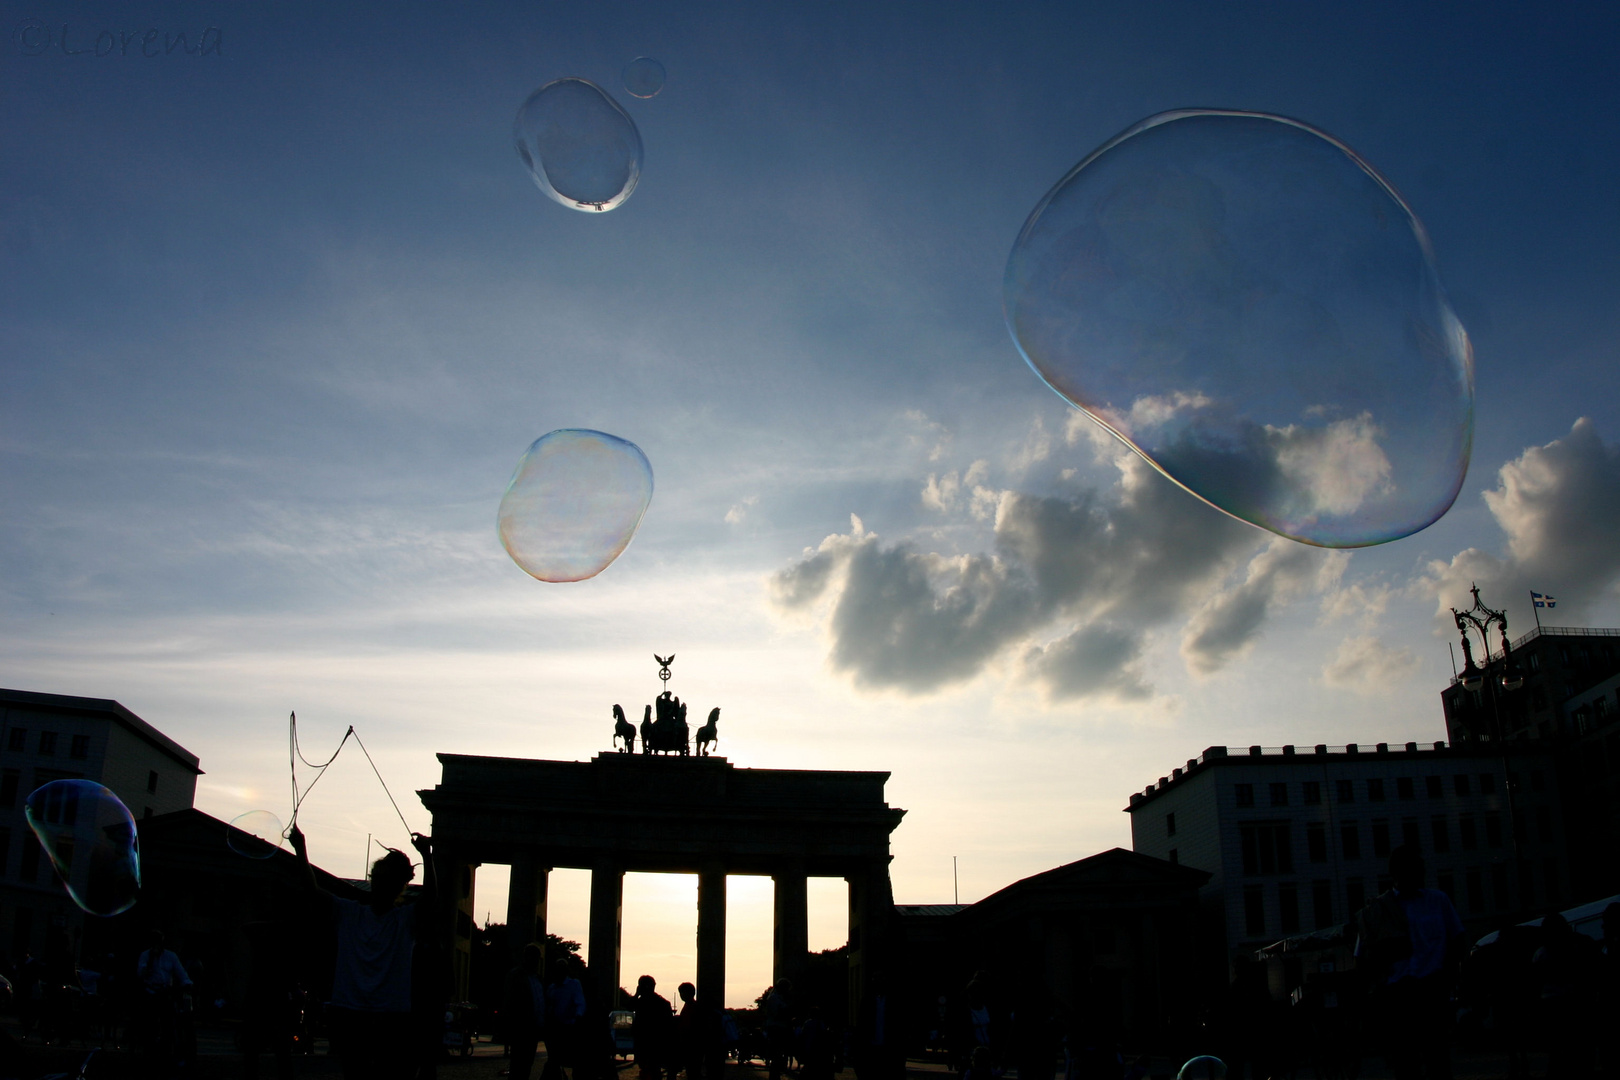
{"x": 280, "y": 319}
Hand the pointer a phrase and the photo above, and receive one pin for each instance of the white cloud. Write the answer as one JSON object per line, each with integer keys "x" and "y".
{"x": 739, "y": 510}
{"x": 1366, "y": 665}
{"x": 1227, "y": 626}
{"x": 1338, "y": 466}
{"x": 1559, "y": 505}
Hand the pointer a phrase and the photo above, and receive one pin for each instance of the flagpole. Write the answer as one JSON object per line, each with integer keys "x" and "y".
{"x": 1535, "y": 609}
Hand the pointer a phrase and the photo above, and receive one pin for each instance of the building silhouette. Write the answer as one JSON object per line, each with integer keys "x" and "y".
{"x": 45, "y": 737}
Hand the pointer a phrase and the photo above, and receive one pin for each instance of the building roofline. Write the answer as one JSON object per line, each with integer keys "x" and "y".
{"x": 1216, "y": 756}
{"x": 67, "y": 703}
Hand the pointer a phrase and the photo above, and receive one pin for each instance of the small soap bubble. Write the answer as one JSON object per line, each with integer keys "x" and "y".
{"x": 256, "y": 834}
{"x": 1203, "y": 1067}
{"x": 580, "y": 146}
{"x": 643, "y": 77}
{"x": 90, "y": 838}
{"x": 574, "y": 503}
{"x": 1252, "y": 308}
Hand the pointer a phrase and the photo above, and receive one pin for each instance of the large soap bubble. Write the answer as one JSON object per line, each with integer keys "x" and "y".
{"x": 256, "y": 834}
{"x": 1253, "y": 309}
{"x": 90, "y": 838}
{"x": 1203, "y": 1067}
{"x": 574, "y": 503}
{"x": 581, "y": 148}
{"x": 643, "y": 77}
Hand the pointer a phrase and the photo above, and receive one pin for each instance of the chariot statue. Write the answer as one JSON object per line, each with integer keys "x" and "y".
{"x": 669, "y": 733}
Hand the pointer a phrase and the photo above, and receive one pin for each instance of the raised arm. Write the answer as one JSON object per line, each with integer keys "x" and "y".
{"x": 428, "y": 905}
{"x": 302, "y": 850}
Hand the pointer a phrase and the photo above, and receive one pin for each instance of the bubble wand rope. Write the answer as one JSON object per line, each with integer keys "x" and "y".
{"x": 295, "y": 754}
{"x": 380, "y": 780}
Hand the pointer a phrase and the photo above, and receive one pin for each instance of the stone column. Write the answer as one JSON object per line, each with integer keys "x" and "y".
{"x": 607, "y": 925}
{"x": 871, "y": 910}
{"x": 791, "y": 939}
{"x": 526, "y": 902}
{"x": 456, "y": 885}
{"x": 711, "y": 935}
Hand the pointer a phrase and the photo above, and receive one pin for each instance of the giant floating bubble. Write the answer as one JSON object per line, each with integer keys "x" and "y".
{"x": 90, "y": 838}
{"x": 581, "y": 148}
{"x": 256, "y": 834}
{"x": 1203, "y": 1067}
{"x": 1252, "y": 308}
{"x": 643, "y": 77}
{"x": 574, "y": 503}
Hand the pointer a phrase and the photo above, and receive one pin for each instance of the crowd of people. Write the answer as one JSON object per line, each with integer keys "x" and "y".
{"x": 1532, "y": 992}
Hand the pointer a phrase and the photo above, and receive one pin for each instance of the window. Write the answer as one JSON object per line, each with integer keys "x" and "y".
{"x": 64, "y": 858}
{"x": 1350, "y": 840}
{"x": 1467, "y": 834}
{"x": 1380, "y": 830}
{"x": 47, "y": 743}
{"x": 1476, "y": 892}
{"x": 1316, "y": 841}
{"x": 1544, "y": 829}
{"x": 1254, "y": 909}
{"x": 1375, "y": 791}
{"x": 1487, "y": 783}
{"x": 80, "y": 748}
{"x": 1347, "y": 791}
{"x": 1312, "y": 792}
{"x": 1437, "y": 790}
{"x": 1355, "y": 896}
{"x": 29, "y": 868}
{"x": 1169, "y": 824}
{"x": 1459, "y": 783}
{"x": 1441, "y": 834}
{"x": 1288, "y": 908}
{"x": 1411, "y": 835}
{"x": 18, "y": 739}
{"x": 5, "y": 850}
{"x": 1279, "y": 794}
{"x": 1321, "y": 905}
{"x": 1266, "y": 849}
{"x": 1447, "y": 884}
{"x": 1244, "y": 793}
{"x": 1499, "y": 887}
{"x": 1493, "y": 830}
{"x": 1403, "y": 787}
{"x": 151, "y": 782}
{"x": 1175, "y": 859}
{"x": 8, "y": 787}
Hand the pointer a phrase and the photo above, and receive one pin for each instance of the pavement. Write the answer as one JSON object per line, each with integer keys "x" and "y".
{"x": 218, "y": 1059}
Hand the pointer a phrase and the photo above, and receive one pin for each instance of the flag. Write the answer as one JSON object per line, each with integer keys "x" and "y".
{"x": 1543, "y": 601}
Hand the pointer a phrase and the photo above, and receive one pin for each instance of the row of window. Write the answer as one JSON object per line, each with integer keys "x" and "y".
{"x": 1268, "y": 846}
{"x": 10, "y": 779}
{"x": 78, "y": 745}
{"x": 1311, "y": 791}
{"x": 1482, "y": 893}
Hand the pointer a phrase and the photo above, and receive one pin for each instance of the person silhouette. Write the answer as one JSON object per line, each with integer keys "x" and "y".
{"x": 523, "y": 1005}
{"x": 370, "y": 1011}
{"x": 653, "y": 1021}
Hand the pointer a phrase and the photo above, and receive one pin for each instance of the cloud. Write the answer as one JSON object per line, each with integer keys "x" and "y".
{"x": 1227, "y": 626}
{"x": 1559, "y": 506}
{"x": 1366, "y": 665}
{"x": 1070, "y": 588}
{"x": 739, "y": 510}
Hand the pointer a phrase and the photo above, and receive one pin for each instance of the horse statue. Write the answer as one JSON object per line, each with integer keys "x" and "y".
{"x": 709, "y": 733}
{"x": 623, "y": 731}
{"x": 670, "y": 732}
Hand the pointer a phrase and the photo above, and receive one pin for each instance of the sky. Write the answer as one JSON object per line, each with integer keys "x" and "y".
{"x": 281, "y": 314}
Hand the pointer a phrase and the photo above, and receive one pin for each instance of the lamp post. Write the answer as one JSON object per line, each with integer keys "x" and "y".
{"x": 1476, "y": 679}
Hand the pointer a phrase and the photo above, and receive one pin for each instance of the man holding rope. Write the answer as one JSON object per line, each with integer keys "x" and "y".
{"x": 370, "y": 1010}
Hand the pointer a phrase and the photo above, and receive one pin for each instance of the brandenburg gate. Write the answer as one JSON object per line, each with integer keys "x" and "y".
{"x": 667, "y": 812}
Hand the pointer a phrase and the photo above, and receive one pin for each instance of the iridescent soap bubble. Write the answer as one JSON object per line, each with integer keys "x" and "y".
{"x": 256, "y": 834}
{"x": 581, "y": 148}
{"x": 1251, "y": 307}
{"x": 574, "y": 503}
{"x": 1203, "y": 1067}
{"x": 90, "y": 838}
{"x": 643, "y": 77}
